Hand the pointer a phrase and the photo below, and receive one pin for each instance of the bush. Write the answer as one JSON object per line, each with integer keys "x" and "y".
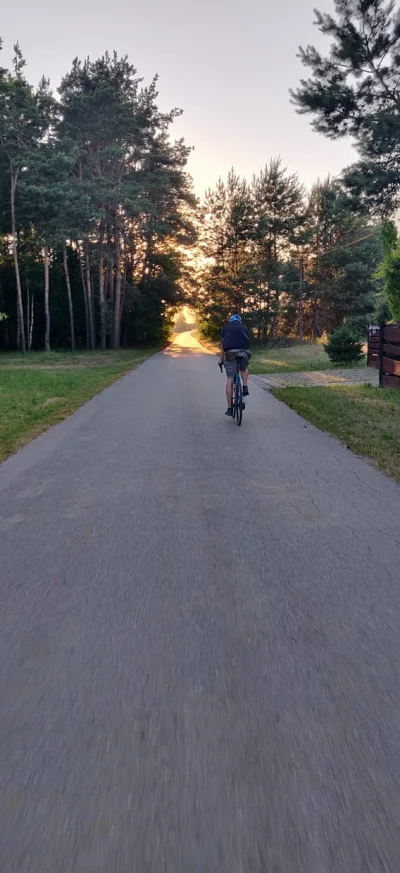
{"x": 343, "y": 347}
{"x": 210, "y": 330}
{"x": 382, "y": 312}
{"x": 358, "y": 325}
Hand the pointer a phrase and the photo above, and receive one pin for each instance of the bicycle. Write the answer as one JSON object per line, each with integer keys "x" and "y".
{"x": 237, "y": 395}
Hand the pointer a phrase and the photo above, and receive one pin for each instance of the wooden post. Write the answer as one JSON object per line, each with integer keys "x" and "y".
{"x": 381, "y": 340}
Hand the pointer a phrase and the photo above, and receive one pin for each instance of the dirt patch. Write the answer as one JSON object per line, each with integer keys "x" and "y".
{"x": 51, "y": 400}
{"x": 320, "y": 378}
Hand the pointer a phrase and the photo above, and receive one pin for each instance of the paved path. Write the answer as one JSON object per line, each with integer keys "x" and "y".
{"x": 200, "y": 640}
{"x": 321, "y": 378}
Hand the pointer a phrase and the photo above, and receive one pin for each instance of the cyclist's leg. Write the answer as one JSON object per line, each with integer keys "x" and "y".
{"x": 230, "y": 370}
{"x": 244, "y": 361}
{"x": 229, "y": 390}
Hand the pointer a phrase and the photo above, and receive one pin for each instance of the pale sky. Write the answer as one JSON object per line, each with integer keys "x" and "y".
{"x": 227, "y": 63}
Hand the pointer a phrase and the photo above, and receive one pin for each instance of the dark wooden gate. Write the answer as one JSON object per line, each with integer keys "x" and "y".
{"x": 384, "y": 353}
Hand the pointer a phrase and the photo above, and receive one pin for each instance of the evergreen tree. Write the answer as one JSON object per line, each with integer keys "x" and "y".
{"x": 341, "y": 261}
{"x": 390, "y": 272}
{"x": 355, "y": 91}
{"x": 24, "y": 119}
{"x": 280, "y": 214}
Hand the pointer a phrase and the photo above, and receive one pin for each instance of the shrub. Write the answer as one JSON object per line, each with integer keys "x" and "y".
{"x": 382, "y": 312}
{"x": 343, "y": 347}
{"x": 210, "y": 330}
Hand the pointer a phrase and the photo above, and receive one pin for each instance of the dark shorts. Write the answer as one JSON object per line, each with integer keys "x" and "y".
{"x": 230, "y": 361}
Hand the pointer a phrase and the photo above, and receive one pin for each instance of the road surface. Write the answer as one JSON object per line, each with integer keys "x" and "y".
{"x": 200, "y": 640}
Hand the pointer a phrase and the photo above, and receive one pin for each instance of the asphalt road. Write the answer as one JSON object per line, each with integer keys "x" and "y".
{"x": 200, "y": 640}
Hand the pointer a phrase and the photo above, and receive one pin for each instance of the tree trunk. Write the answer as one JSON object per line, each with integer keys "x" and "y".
{"x": 30, "y": 325}
{"x": 123, "y": 285}
{"x": 14, "y": 179}
{"x": 111, "y": 283}
{"x": 28, "y": 309}
{"x": 70, "y": 306}
{"x": 101, "y": 292}
{"x": 117, "y": 298}
{"x": 90, "y": 298}
{"x": 46, "y": 298}
{"x": 84, "y": 298}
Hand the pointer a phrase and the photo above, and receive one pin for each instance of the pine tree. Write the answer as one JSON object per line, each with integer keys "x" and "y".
{"x": 23, "y": 123}
{"x": 355, "y": 91}
{"x": 280, "y": 211}
{"x": 341, "y": 259}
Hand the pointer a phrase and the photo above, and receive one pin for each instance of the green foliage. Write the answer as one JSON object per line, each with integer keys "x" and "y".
{"x": 343, "y": 347}
{"x": 210, "y": 329}
{"x": 390, "y": 268}
{"x": 382, "y": 312}
{"x": 342, "y": 259}
{"x": 354, "y": 91}
{"x": 391, "y": 276}
{"x": 255, "y": 238}
{"x": 102, "y": 188}
{"x": 246, "y": 232}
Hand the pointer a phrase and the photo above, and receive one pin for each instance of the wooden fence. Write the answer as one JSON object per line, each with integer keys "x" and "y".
{"x": 384, "y": 353}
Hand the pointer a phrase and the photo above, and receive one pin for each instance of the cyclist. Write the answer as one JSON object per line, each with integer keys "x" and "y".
{"x": 235, "y": 341}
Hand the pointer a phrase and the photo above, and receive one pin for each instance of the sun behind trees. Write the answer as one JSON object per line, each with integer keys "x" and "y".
{"x": 95, "y": 208}
{"x": 102, "y": 239}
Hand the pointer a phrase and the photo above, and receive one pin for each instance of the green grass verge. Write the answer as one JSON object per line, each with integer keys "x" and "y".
{"x": 293, "y": 359}
{"x": 366, "y": 419}
{"x": 65, "y": 360}
{"x": 42, "y": 390}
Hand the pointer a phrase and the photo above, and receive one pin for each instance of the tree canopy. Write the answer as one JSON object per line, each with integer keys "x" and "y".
{"x": 354, "y": 91}
{"x": 96, "y": 207}
{"x": 102, "y": 239}
{"x": 290, "y": 263}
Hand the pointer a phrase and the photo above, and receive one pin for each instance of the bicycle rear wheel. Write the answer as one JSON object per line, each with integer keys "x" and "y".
{"x": 238, "y": 402}
{"x": 239, "y": 414}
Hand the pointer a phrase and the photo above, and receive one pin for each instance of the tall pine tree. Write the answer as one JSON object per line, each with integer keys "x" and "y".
{"x": 355, "y": 90}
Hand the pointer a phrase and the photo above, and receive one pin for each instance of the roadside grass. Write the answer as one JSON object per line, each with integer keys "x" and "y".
{"x": 366, "y": 419}
{"x": 292, "y": 359}
{"x": 42, "y": 390}
{"x": 66, "y": 360}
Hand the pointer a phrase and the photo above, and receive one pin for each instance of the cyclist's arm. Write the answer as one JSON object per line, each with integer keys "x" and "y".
{"x": 222, "y": 353}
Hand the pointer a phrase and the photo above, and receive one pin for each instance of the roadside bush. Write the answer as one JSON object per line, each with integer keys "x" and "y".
{"x": 382, "y": 311}
{"x": 343, "y": 347}
{"x": 210, "y": 330}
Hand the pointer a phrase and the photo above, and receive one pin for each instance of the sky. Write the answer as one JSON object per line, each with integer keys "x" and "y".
{"x": 228, "y": 64}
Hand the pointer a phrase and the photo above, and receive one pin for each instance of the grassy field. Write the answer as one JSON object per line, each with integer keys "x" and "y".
{"x": 298, "y": 358}
{"x": 66, "y": 361}
{"x": 41, "y": 390}
{"x": 366, "y": 419}
{"x": 293, "y": 359}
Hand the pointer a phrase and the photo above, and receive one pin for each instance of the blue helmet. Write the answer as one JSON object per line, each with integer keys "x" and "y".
{"x": 235, "y": 318}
